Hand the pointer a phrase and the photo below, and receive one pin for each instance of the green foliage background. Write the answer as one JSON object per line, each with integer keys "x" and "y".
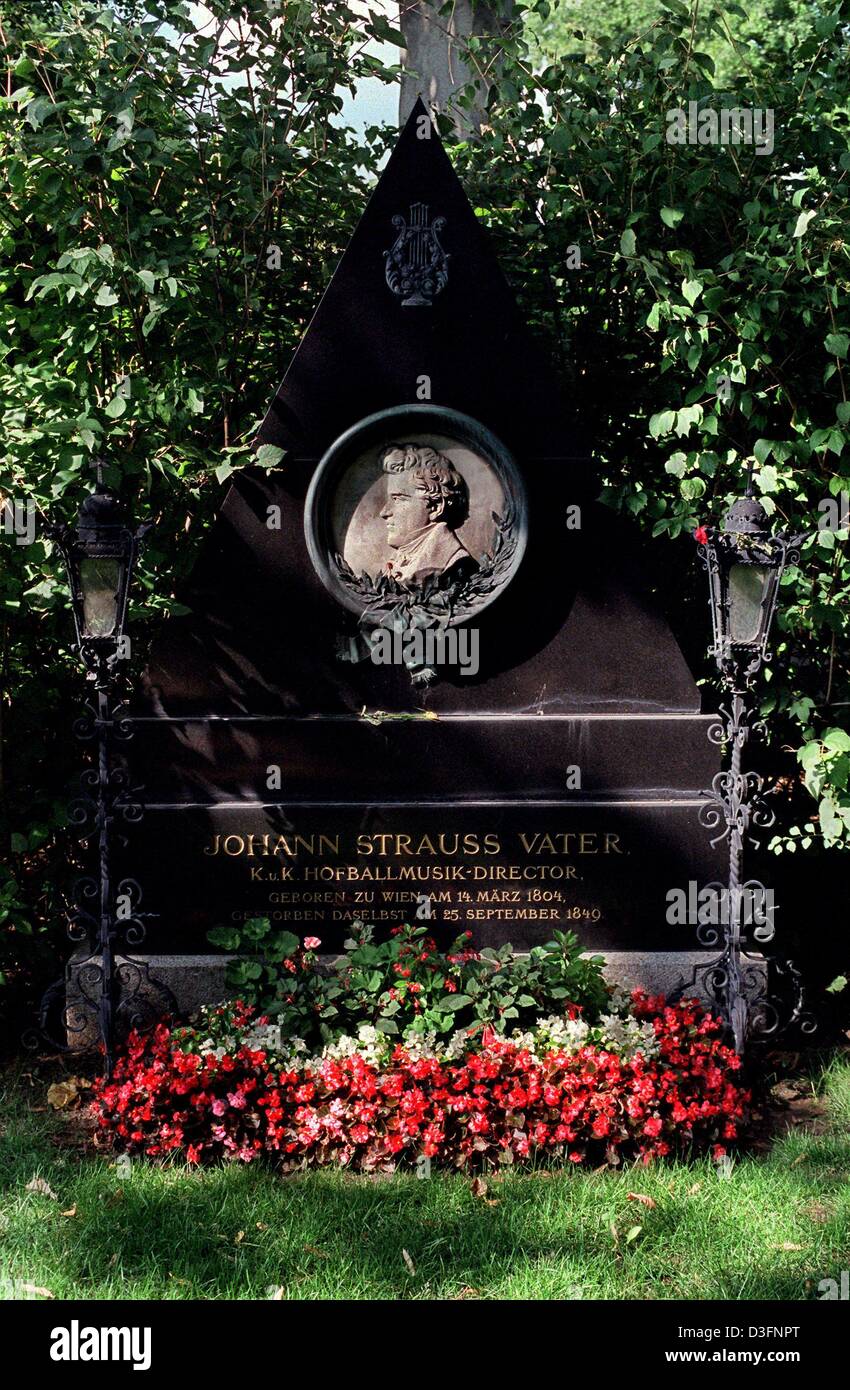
{"x": 150, "y": 169}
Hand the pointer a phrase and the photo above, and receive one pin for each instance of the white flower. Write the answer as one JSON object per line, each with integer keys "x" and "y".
{"x": 628, "y": 1036}
{"x": 621, "y": 1000}
{"x": 563, "y": 1034}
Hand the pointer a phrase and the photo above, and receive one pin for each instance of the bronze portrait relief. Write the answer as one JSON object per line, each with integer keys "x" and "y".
{"x": 416, "y": 515}
{"x": 427, "y": 500}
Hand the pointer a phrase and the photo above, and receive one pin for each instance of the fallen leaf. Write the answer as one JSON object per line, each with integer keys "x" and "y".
{"x": 239, "y": 1237}
{"x": 314, "y": 1250}
{"x": 468, "y": 1292}
{"x": 787, "y": 1245}
{"x": 42, "y": 1187}
{"x": 39, "y": 1292}
{"x": 411, "y": 1267}
{"x": 633, "y": 1234}
{"x": 261, "y": 1226}
{"x": 478, "y": 1187}
{"x": 72, "y": 1211}
{"x": 62, "y": 1093}
{"x": 785, "y": 1091}
{"x": 275, "y": 1294}
{"x": 615, "y": 1234}
{"x": 641, "y": 1197}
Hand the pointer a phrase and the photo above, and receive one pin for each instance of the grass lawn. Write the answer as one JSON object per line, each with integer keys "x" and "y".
{"x": 772, "y": 1229}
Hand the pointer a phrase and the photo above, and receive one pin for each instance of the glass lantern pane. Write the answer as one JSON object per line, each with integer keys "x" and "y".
{"x": 100, "y": 581}
{"x": 747, "y": 585}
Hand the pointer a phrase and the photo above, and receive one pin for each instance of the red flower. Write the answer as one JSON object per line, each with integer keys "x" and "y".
{"x": 498, "y": 1099}
{"x": 701, "y": 535}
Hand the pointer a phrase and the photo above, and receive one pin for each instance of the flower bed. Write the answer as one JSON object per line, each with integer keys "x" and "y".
{"x": 653, "y": 1081}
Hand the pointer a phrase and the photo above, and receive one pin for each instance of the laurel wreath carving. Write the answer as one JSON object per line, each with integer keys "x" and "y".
{"x": 439, "y": 600}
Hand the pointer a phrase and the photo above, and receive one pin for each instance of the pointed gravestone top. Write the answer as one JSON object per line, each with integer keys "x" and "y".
{"x": 374, "y": 335}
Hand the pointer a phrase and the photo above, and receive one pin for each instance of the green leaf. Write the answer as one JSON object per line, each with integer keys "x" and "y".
{"x": 838, "y": 740}
{"x": 803, "y": 221}
{"x": 269, "y": 455}
{"x": 837, "y": 344}
{"x": 831, "y": 824}
{"x": 671, "y": 217}
{"x": 256, "y": 928}
{"x": 662, "y": 423}
{"x": 106, "y": 296}
{"x": 768, "y": 478}
{"x": 116, "y": 407}
{"x": 627, "y": 242}
{"x": 692, "y": 289}
{"x": 686, "y": 418}
{"x": 227, "y": 937}
{"x": 761, "y": 450}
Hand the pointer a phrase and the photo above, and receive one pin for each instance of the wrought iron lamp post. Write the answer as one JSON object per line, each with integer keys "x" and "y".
{"x": 99, "y": 552}
{"x": 745, "y": 562}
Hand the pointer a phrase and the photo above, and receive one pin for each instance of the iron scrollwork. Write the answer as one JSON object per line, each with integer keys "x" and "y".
{"x": 106, "y": 991}
{"x": 754, "y": 997}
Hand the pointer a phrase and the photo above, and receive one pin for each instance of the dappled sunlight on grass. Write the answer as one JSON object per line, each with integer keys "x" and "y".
{"x": 770, "y": 1230}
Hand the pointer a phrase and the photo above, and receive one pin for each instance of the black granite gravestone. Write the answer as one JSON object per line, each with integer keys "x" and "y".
{"x": 431, "y": 482}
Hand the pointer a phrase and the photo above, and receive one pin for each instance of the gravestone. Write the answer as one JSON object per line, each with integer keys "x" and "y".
{"x": 419, "y": 676}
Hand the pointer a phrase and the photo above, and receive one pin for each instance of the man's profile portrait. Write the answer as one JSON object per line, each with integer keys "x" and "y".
{"x": 427, "y": 501}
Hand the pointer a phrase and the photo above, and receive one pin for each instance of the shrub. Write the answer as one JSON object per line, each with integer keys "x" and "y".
{"x": 405, "y": 982}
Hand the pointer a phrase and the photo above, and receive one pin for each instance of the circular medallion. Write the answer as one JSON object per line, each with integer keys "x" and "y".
{"x": 418, "y": 512}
